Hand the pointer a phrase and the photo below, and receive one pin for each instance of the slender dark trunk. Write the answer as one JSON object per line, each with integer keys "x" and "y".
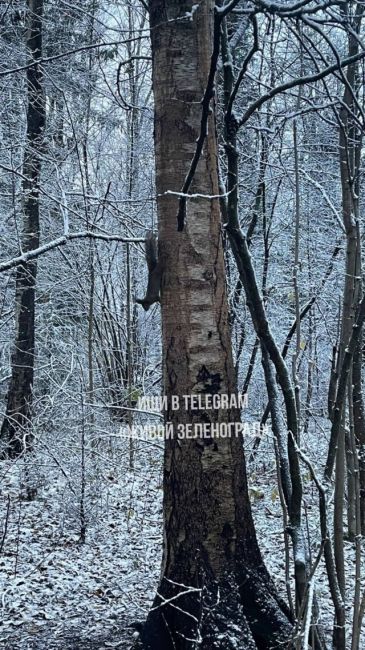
{"x": 16, "y": 431}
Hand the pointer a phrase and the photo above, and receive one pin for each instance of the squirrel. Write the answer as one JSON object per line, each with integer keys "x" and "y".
{"x": 154, "y": 272}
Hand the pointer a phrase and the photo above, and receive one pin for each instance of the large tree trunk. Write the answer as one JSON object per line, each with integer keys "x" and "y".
{"x": 220, "y": 593}
{"x": 16, "y": 429}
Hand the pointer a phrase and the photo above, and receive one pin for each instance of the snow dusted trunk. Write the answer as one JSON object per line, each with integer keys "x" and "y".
{"x": 351, "y": 143}
{"x": 214, "y": 590}
{"x": 16, "y": 427}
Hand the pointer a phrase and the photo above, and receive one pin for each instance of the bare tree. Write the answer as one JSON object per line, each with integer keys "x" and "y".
{"x": 212, "y": 578}
{"x": 16, "y": 428}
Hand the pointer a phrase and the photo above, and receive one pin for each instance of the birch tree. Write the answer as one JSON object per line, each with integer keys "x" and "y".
{"x": 214, "y": 589}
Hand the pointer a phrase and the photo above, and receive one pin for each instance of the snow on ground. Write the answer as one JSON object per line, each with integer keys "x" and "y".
{"x": 57, "y": 593}
{"x": 52, "y": 587}
{"x": 268, "y": 517}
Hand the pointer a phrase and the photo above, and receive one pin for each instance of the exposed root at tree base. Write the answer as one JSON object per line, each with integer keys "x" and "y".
{"x": 224, "y": 616}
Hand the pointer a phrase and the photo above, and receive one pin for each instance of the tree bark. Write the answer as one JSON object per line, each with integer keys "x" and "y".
{"x": 214, "y": 589}
{"x": 16, "y": 427}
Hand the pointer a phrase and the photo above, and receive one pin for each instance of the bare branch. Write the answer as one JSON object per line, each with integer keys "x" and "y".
{"x": 61, "y": 241}
{"x": 294, "y": 83}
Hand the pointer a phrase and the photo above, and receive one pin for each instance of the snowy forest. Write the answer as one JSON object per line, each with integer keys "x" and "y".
{"x": 182, "y": 415}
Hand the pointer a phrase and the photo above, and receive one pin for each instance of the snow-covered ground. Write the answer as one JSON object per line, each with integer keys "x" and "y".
{"x": 56, "y": 592}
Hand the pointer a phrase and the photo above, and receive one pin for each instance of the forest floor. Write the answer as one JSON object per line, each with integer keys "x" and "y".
{"x": 59, "y": 593}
